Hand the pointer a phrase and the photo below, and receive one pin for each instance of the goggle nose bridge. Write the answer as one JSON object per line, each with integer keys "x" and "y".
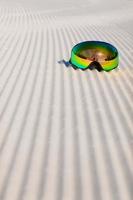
{"x": 95, "y": 65}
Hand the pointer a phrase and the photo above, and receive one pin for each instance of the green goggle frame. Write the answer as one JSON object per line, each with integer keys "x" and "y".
{"x": 86, "y": 54}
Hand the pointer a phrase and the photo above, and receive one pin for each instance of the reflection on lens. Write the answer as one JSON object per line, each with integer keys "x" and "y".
{"x": 83, "y": 54}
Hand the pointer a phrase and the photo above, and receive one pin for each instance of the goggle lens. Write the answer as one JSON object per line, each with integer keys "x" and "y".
{"x": 83, "y": 54}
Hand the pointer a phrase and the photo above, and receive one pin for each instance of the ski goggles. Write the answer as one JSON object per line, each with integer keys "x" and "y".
{"x": 88, "y": 54}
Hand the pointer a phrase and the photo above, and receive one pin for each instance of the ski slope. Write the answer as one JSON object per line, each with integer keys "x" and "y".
{"x": 64, "y": 134}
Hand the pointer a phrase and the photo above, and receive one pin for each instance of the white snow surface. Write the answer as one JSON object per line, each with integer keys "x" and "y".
{"x": 65, "y": 134}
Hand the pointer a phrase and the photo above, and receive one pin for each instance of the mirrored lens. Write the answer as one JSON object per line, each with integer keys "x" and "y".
{"x": 86, "y": 52}
{"x": 96, "y": 55}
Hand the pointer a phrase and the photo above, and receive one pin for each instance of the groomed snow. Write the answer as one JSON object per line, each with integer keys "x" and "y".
{"x": 64, "y": 134}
